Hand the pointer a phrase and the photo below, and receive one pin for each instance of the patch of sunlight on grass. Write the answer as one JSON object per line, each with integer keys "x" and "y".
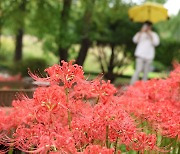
{"x": 7, "y": 42}
{"x": 130, "y": 71}
{"x": 51, "y": 58}
{"x": 91, "y": 64}
{"x": 32, "y": 47}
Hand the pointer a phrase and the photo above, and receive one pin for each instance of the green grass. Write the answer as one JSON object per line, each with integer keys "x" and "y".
{"x": 91, "y": 63}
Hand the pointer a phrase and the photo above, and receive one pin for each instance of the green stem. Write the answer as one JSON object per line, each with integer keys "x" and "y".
{"x": 67, "y": 92}
{"x": 176, "y": 146}
{"x": 97, "y": 100}
{"x": 69, "y": 119}
{"x": 115, "y": 146}
{"x": 10, "y": 151}
{"x": 107, "y": 139}
{"x": 69, "y": 113}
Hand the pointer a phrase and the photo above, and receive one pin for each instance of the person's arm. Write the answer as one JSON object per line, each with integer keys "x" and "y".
{"x": 136, "y": 38}
{"x": 154, "y": 38}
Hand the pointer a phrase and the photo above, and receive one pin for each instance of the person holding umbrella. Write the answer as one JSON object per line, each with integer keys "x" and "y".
{"x": 146, "y": 41}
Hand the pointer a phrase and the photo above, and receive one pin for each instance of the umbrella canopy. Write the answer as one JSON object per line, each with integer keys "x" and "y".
{"x": 148, "y": 11}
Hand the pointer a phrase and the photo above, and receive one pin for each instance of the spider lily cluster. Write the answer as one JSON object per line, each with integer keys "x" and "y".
{"x": 74, "y": 115}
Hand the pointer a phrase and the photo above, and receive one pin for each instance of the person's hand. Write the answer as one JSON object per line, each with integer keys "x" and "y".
{"x": 139, "y": 35}
{"x": 149, "y": 32}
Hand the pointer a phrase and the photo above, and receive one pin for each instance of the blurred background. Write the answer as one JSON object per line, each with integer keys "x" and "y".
{"x": 97, "y": 34}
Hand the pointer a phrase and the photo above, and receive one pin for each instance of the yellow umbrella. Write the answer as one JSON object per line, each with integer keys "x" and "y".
{"x": 148, "y": 11}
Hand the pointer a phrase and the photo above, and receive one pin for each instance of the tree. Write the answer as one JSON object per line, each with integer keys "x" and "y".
{"x": 113, "y": 28}
{"x": 3, "y": 15}
{"x": 20, "y": 32}
{"x": 1, "y": 23}
{"x": 167, "y": 52}
{"x": 44, "y": 23}
{"x": 56, "y": 34}
{"x": 14, "y": 16}
{"x": 170, "y": 28}
{"x": 63, "y": 28}
{"x": 169, "y": 49}
{"x": 87, "y": 21}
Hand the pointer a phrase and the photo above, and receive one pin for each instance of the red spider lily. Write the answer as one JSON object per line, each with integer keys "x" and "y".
{"x": 142, "y": 141}
{"x": 96, "y": 149}
{"x": 2, "y": 119}
{"x": 68, "y": 74}
{"x": 119, "y": 123}
{"x": 81, "y": 116}
{"x": 40, "y": 138}
{"x": 103, "y": 90}
{"x": 97, "y": 89}
{"x": 157, "y": 101}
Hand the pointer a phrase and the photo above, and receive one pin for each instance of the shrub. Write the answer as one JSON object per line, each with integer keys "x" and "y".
{"x": 6, "y": 49}
{"x": 167, "y": 52}
{"x": 34, "y": 64}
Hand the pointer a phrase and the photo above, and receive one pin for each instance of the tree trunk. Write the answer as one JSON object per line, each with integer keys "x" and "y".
{"x": 111, "y": 61}
{"x": 1, "y": 24}
{"x": 0, "y": 32}
{"x": 85, "y": 44}
{"x": 110, "y": 75}
{"x": 19, "y": 45}
{"x": 20, "y": 33}
{"x": 0, "y": 38}
{"x": 63, "y": 51}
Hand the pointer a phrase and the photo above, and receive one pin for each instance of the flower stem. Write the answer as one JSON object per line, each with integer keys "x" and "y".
{"x": 10, "y": 151}
{"x": 68, "y": 111}
{"x": 67, "y": 92}
{"x": 97, "y": 100}
{"x": 176, "y": 146}
{"x": 115, "y": 146}
{"x": 69, "y": 119}
{"x": 107, "y": 133}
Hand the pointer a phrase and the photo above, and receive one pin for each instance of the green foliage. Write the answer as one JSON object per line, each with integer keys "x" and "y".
{"x": 109, "y": 26}
{"x": 168, "y": 51}
{"x": 112, "y": 27}
{"x": 14, "y": 15}
{"x": 170, "y": 29}
{"x": 34, "y": 64}
{"x": 7, "y": 47}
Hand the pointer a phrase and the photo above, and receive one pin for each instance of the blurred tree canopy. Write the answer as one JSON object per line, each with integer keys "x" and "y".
{"x": 169, "y": 50}
{"x": 60, "y": 24}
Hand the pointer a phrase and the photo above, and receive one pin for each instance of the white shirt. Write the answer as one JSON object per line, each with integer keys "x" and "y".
{"x": 146, "y": 45}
